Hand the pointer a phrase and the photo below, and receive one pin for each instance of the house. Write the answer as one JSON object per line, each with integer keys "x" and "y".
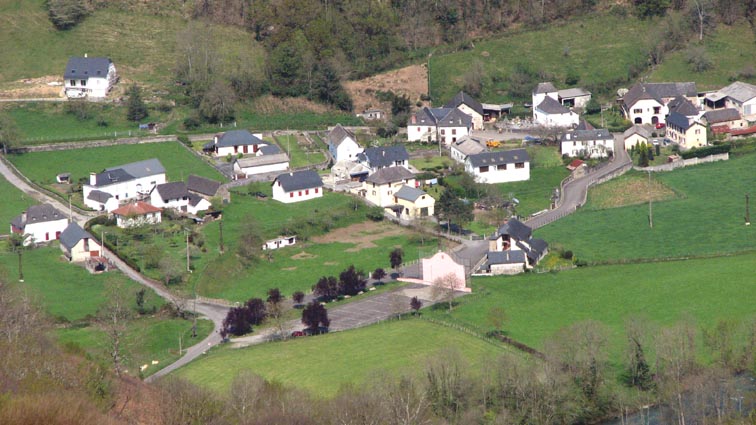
{"x": 505, "y": 262}
{"x": 574, "y": 98}
{"x": 39, "y": 223}
{"x": 647, "y": 103}
{"x": 728, "y": 119}
{"x": 514, "y": 236}
{"x": 87, "y": 77}
{"x": 685, "y": 132}
{"x": 500, "y": 166}
{"x": 380, "y": 187}
{"x": 77, "y": 244}
{"x": 279, "y": 242}
{"x": 588, "y": 143}
{"x": 123, "y": 183}
{"x": 342, "y": 144}
{"x": 638, "y": 133}
{"x": 384, "y": 156}
{"x": 466, "y": 146}
{"x": 441, "y": 267}
{"x": 551, "y": 113}
{"x": 411, "y": 202}
{"x": 738, "y": 95}
{"x": 249, "y": 166}
{"x": 235, "y": 142}
{"x": 297, "y": 186}
{"x": 683, "y": 106}
{"x": 137, "y": 214}
{"x": 468, "y": 105}
{"x": 197, "y": 204}
{"x": 373, "y": 114}
{"x": 444, "y": 125}
{"x": 207, "y": 188}
{"x": 170, "y": 195}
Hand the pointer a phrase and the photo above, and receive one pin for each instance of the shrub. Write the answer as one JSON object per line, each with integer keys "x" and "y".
{"x": 375, "y": 213}
{"x": 79, "y": 109}
{"x": 191, "y": 123}
{"x": 706, "y": 151}
{"x": 66, "y": 14}
{"x": 183, "y": 138}
{"x": 567, "y": 255}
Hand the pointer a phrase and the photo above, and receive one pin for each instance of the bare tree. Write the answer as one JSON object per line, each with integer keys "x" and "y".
{"x": 444, "y": 287}
{"x": 115, "y": 314}
{"x": 405, "y": 403}
{"x": 277, "y": 308}
{"x": 675, "y": 360}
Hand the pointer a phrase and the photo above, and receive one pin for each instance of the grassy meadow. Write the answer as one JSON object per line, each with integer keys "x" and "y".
{"x": 537, "y": 305}
{"x": 299, "y": 154}
{"x": 14, "y": 202}
{"x": 325, "y": 363}
{"x": 706, "y": 217}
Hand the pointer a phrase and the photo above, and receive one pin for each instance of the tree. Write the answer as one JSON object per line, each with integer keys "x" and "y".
{"x": 277, "y": 309}
{"x": 256, "y": 311}
{"x": 473, "y": 79}
{"x": 217, "y": 105}
{"x": 66, "y": 14}
{"x": 115, "y": 314}
{"x": 327, "y": 88}
{"x": 136, "y": 110}
{"x": 236, "y": 322}
{"x": 443, "y": 289}
{"x": 250, "y": 241}
{"x": 638, "y": 370}
{"x": 378, "y": 274}
{"x": 171, "y": 269}
{"x": 8, "y": 132}
{"x": 298, "y": 297}
{"x": 593, "y": 106}
{"x": 651, "y": 8}
{"x": 351, "y": 281}
{"x": 395, "y": 258}
{"x": 452, "y": 209}
{"x": 140, "y": 300}
{"x": 416, "y": 305}
{"x": 327, "y": 288}
{"x": 703, "y": 15}
{"x": 315, "y": 316}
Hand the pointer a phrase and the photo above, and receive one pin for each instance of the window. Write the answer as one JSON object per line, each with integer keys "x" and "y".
{"x": 316, "y": 190}
{"x": 419, "y": 129}
{"x": 443, "y": 131}
{"x": 484, "y": 169}
{"x": 501, "y": 167}
{"x": 698, "y": 131}
{"x": 657, "y": 109}
{"x": 637, "y": 111}
{"x": 520, "y": 165}
{"x": 454, "y": 131}
{"x": 300, "y": 193}
{"x": 83, "y": 83}
{"x": 47, "y": 236}
{"x": 73, "y": 83}
{"x": 307, "y": 191}
{"x": 291, "y": 195}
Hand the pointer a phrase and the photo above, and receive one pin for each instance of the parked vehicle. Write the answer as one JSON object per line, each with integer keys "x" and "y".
{"x": 660, "y": 125}
{"x": 297, "y": 334}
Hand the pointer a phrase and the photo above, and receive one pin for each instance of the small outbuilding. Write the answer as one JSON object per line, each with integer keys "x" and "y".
{"x": 78, "y": 245}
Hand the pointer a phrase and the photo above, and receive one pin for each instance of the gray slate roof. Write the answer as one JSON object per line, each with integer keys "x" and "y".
{"x": 270, "y": 149}
{"x": 338, "y": 134}
{"x": 551, "y": 106}
{"x": 722, "y": 115}
{"x": 72, "y": 235}
{"x": 740, "y": 91}
{"x": 37, "y": 214}
{"x": 533, "y": 248}
{"x": 573, "y": 92}
{"x": 256, "y": 161}
{"x": 390, "y": 175}
{"x": 99, "y": 196}
{"x": 544, "y": 88}
{"x": 498, "y": 157}
{"x": 659, "y": 91}
{"x": 194, "y": 199}
{"x": 172, "y": 190}
{"x": 298, "y": 180}
{"x": 79, "y": 67}
{"x": 469, "y": 145}
{"x": 506, "y": 257}
{"x": 584, "y": 125}
{"x": 463, "y": 98}
{"x": 587, "y": 135}
{"x": 238, "y": 138}
{"x": 441, "y": 117}
{"x": 642, "y": 130}
{"x": 384, "y": 156}
{"x": 683, "y": 106}
{"x": 678, "y": 120}
{"x": 409, "y": 193}
{"x": 516, "y": 228}
{"x": 134, "y": 170}
{"x": 202, "y": 185}
{"x": 455, "y": 118}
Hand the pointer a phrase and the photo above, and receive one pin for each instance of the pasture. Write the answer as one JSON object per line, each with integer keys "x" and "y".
{"x": 299, "y": 150}
{"x": 706, "y": 217}
{"x": 14, "y": 202}
{"x": 323, "y": 364}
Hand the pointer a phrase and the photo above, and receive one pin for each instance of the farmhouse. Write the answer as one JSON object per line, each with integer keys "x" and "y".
{"x": 279, "y": 242}
{"x": 137, "y": 214}
{"x": 723, "y": 120}
{"x": 385, "y": 156}
{"x": 77, "y": 244}
{"x": 500, "y": 166}
{"x": 685, "y": 132}
{"x": 647, "y": 103}
{"x": 235, "y": 142}
{"x": 170, "y": 195}
{"x": 39, "y": 223}
{"x": 638, "y": 133}
{"x": 505, "y": 262}
{"x": 342, "y": 144}
{"x": 206, "y": 188}
{"x": 466, "y": 146}
{"x": 683, "y": 106}
{"x": 249, "y": 166}
{"x": 89, "y": 77}
{"x": 297, "y": 186}
{"x": 738, "y": 95}
{"x": 512, "y": 237}
{"x": 468, "y": 105}
{"x": 380, "y": 187}
{"x": 124, "y": 182}
{"x": 587, "y": 143}
{"x": 444, "y": 125}
{"x": 411, "y": 202}
{"x": 550, "y": 106}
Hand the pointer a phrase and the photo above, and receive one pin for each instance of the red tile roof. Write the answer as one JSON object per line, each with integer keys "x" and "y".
{"x": 137, "y": 208}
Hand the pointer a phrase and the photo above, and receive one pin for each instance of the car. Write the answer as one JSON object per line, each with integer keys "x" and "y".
{"x": 532, "y": 139}
{"x": 260, "y": 195}
{"x": 660, "y": 125}
{"x": 297, "y": 333}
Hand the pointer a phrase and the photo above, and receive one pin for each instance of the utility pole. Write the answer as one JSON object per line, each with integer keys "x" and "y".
{"x": 748, "y": 212}
{"x": 220, "y": 227}
{"x": 20, "y": 267}
{"x": 650, "y": 208}
{"x": 70, "y": 210}
{"x": 188, "y": 269}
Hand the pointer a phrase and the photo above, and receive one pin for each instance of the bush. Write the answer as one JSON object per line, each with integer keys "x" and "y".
{"x": 706, "y": 151}
{"x": 191, "y": 123}
{"x": 567, "y": 255}
{"x": 375, "y": 213}
{"x": 79, "y": 109}
{"x": 66, "y": 14}
{"x": 183, "y": 138}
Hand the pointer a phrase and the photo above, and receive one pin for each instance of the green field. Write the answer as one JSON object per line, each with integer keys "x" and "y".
{"x": 540, "y": 304}
{"x": 14, "y": 202}
{"x": 706, "y": 218}
{"x": 584, "y": 47}
{"x": 299, "y": 155}
{"x": 323, "y": 364}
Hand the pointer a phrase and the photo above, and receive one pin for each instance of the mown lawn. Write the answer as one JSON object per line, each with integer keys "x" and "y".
{"x": 538, "y": 305}
{"x": 14, "y": 202}
{"x": 324, "y": 363}
{"x": 432, "y": 162}
{"x": 706, "y": 218}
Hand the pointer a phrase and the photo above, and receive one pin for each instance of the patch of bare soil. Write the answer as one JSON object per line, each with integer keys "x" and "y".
{"x": 330, "y": 263}
{"x": 288, "y": 269}
{"x": 48, "y": 86}
{"x": 302, "y": 256}
{"x": 631, "y": 191}
{"x": 361, "y": 234}
{"x": 411, "y": 81}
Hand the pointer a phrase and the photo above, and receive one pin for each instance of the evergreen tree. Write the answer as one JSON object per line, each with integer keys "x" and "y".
{"x": 137, "y": 110}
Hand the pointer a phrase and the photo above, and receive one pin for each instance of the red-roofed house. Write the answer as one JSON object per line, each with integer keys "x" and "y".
{"x": 137, "y": 214}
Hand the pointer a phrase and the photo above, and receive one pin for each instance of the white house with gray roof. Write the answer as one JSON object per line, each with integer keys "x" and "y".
{"x": 41, "y": 223}
{"x": 375, "y": 158}
{"x": 445, "y": 125}
{"x": 466, "y": 146}
{"x": 647, "y": 103}
{"x": 738, "y": 95}
{"x": 342, "y": 144}
{"x": 235, "y": 142}
{"x": 380, "y": 187}
{"x": 553, "y": 108}
{"x": 470, "y": 106}
{"x": 87, "y": 77}
{"x": 512, "y": 249}
{"x": 597, "y": 143}
{"x": 135, "y": 180}
{"x": 297, "y": 186}
{"x": 170, "y": 195}
{"x": 78, "y": 245}
{"x": 499, "y": 166}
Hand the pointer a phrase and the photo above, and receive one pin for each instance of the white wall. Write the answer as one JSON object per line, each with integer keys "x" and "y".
{"x": 347, "y": 150}
{"x": 507, "y": 269}
{"x": 157, "y": 201}
{"x": 383, "y": 195}
{"x": 632, "y": 140}
{"x": 555, "y": 120}
{"x": 269, "y": 168}
{"x": 420, "y": 133}
{"x": 45, "y": 231}
{"x": 149, "y": 218}
{"x": 593, "y": 148}
{"x": 646, "y": 114}
{"x": 95, "y": 87}
{"x": 202, "y": 205}
{"x": 494, "y": 175}
{"x": 449, "y": 135}
{"x": 79, "y": 253}
{"x": 295, "y": 196}
{"x": 125, "y": 190}
{"x": 477, "y": 119}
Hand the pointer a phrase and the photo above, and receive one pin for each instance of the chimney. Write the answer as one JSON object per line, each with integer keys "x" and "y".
{"x": 23, "y": 218}
{"x": 215, "y": 139}
{"x": 85, "y": 55}
{"x": 92, "y": 179}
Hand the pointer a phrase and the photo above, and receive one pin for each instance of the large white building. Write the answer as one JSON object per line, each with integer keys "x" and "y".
{"x": 89, "y": 77}
{"x": 647, "y": 103}
{"x": 550, "y": 109}
{"x": 738, "y": 95}
{"x": 598, "y": 143}
{"x": 297, "y": 186}
{"x": 499, "y": 166}
{"x": 40, "y": 223}
{"x": 235, "y": 142}
{"x": 122, "y": 183}
{"x": 446, "y": 125}
{"x": 342, "y": 144}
